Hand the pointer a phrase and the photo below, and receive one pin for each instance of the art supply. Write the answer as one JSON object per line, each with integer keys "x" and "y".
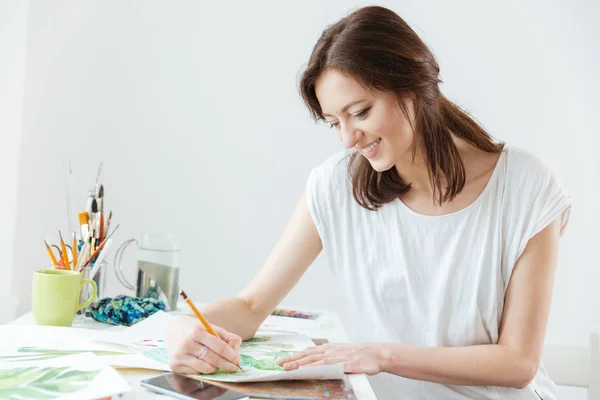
{"x": 51, "y": 254}
{"x": 96, "y": 231}
{"x": 85, "y": 250}
{"x": 101, "y": 212}
{"x": 260, "y": 356}
{"x": 77, "y": 376}
{"x": 281, "y": 312}
{"x": 88, "y": 206}
{"x": 63, "y": 252}
{"x": 68, "y": 174}
{"x": 157, "y": 268}
{"x": 201, "y": 317}
{"x": 97, "y": 183}
{"x": 100, "y": 259}
{"x": 108, "y": 221}
{"x": 74, "y": 250}
{"x": 84, "y": 221}
{"x": 95, "y": 253}
{"x": 86, "y": 257}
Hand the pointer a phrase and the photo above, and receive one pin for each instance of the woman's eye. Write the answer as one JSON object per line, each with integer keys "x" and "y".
{"x": 333, "y": 124}
{"x": 362, "y": 114}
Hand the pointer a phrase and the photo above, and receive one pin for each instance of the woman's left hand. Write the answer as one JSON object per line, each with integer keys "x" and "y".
{"x": 358, "y": 358}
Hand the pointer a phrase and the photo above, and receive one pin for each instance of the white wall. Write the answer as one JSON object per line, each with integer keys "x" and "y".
{"x": 194, "y": 109}
{"x": 13, "y": 34}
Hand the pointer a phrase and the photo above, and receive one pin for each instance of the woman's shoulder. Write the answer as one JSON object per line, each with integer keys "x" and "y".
{"x": 528, "y": 178}
{"x": 334, "y": 172}
{"x": 523, "y": 168}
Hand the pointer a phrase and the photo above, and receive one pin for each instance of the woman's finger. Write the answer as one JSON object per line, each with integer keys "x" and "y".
{"x": 193, "y": 348}
{"x": 309, "y": 351}
{"x": 216, "y": 360}
{"x": 219, "y": 347}
{"x": 231, "y": 339}
{"x": 204, "y": 353}
{"x": 324, "y": 361}
{"x": 303, "y": 361}
{"x": 197, "y": 366}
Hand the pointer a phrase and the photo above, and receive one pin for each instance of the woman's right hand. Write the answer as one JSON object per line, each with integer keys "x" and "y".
{"x": 192, "y": 350}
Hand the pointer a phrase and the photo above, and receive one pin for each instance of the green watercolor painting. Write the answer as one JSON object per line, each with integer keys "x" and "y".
{"x": 43, "y": 382}
{"x": 259, "y": 355}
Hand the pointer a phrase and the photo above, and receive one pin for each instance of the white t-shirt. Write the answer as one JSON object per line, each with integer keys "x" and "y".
{"x": 435, "y": 280}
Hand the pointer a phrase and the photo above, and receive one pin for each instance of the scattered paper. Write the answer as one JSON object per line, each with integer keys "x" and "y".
{"x": 76, "y": 377}
{"x": 40, "y": 343}
{"x": 142, "y": 346}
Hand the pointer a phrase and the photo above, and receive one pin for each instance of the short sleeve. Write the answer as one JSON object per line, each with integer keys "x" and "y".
{"x": 326, "y": 190}
{"x": 313, "y": 198}
{"x": 534, "y": 198}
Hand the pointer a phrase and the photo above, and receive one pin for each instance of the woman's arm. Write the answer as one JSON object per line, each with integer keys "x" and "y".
{"x": 513, "y": 362}
{"x": 193, "y": 350}
{"x": 294, "y": 253}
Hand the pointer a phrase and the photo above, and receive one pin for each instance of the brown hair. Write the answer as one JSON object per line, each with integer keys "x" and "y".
{"x": 378, "y": 48}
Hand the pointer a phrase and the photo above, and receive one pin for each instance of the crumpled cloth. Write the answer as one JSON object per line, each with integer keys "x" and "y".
{"x": 125, "y": 310}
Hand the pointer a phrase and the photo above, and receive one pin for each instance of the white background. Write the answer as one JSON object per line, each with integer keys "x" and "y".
{"x": 13, "y": 43}
{"x": 194, "y": 109}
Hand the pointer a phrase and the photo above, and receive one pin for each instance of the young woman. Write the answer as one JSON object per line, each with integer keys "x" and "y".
{"x": 445, "y": 240}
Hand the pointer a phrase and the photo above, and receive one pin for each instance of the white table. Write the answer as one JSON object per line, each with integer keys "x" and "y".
{"x": 334, "y": 333}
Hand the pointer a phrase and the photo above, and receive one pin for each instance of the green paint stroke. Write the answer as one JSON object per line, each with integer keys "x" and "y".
{"x": 158, "y": 354}
{"x": 37, "y": 354}
{"x": 43, "y": 382}
{"x": 258, "y": 339}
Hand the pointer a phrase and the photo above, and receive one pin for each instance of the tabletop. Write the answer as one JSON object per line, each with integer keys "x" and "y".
{"x": 333, "y": 332}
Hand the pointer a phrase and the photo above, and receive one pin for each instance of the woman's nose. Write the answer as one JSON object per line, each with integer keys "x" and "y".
{"x": 350, "y": 136}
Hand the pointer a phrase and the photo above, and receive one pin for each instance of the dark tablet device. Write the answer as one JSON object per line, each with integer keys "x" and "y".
{"x": 181, "y": 387}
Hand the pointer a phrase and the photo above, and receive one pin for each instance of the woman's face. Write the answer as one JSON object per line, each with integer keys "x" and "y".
{"x": 369, "y": 121}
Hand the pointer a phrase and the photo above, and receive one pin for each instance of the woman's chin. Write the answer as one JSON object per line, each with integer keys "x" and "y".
{"x": 381, "y": 165}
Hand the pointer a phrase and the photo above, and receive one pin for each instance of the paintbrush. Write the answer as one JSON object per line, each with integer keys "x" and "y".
{"x": 74, "y": 250}
{"x": 101, "y": 212}
{"x": 108, "y": 222}
{"x": 85, "y": 250}
{"x": 84, "y": 223}
{"x": 99, "y": 248}
{"x": 95, "y": 231}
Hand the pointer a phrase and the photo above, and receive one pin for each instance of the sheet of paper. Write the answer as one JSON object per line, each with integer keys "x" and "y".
{"x": 77, "y": 377}
{"x": 39, "y": 343}
{"x": 142, "y": 346}
{"x": 294, "y": 325}
{"x": 259, "y": 361}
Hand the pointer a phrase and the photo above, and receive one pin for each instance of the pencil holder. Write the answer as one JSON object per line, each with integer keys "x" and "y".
{"x": 100, "y": 280}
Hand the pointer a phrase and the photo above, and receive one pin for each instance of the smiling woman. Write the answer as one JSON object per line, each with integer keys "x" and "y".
{"x": 445, "y": 241}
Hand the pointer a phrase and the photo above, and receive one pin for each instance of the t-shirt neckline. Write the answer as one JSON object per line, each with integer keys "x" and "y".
{"x": 479, "y": 198}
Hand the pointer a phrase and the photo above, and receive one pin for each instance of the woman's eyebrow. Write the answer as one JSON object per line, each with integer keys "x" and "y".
{"x": 347, "y": 106}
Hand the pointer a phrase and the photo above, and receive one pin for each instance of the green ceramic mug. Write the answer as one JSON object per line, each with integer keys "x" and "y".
{"x": 55, "y": 296}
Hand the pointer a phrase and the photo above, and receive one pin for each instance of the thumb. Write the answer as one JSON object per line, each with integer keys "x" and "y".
{"x": 231, "y": 339}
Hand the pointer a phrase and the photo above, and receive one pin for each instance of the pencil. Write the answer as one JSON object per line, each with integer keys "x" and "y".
{"x": 63, "y": 250}
{"x": 201, "y": 317}
{"x": 51, "y": 254}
